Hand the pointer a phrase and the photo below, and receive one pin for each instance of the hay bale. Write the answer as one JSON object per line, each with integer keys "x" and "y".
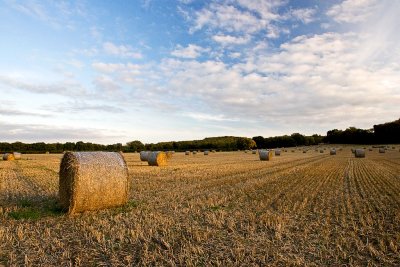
{"x": 332, "y": 152}
{"x": 8, "y": 156}
{"x": 92, "y": 181}
{"x": 359, "y": 153}
{"x": 206, "y": 152}
{"x": 187, "y": 153}
{"x": 157, "y": 158}
{"x": 47, "y": 152}
{"x": 277, "y": 152}
{"x": 266, "y": 154}
{"x": 293, "y": 151}
{"x": 304, "y": 151}
{"x": 144, "y": 155}
{"x": 194, "y": 152}
{"x": 254, "y": 152}
{"x": 214, "y": 151}
{"x": 381, "y": 150}
{"x": 321, "y": 151}
{"x": 169, "y": 154}
{"x": 17, "y": 155}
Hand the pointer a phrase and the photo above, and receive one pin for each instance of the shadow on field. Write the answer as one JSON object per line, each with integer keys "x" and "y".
{"x": 35, "y": 208}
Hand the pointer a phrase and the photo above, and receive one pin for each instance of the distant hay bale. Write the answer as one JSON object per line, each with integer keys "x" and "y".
{"x": 254, "y": 152}
{"x": 157, "y": 158}
{"x": 285, "y": 150}
{"x": 169, "y": 154}
{"x": 92, "y": 181}
{"x": 144, "y": 155}
{"x": 332, "y": 152}
{"x": 187, "y": 153}
{"x": 194, "y": 152}
{"x": 214, "y": 151}
{"x": 246, "y": 151}
{"x": 381, "y": 150}
{"x": 304, "y": 151}
{"x": 359, "y": 153}
{"x": 206, "y": 152}
{"x": 47, "y": 152}
{"x": 277, "y": 152}
{"x": 266, "y": 154}
{"x": 321, "y": 151}
{"x": 8, "y": 156}
{"x": 293, "y": 151}
{"x": 17, "y": 155}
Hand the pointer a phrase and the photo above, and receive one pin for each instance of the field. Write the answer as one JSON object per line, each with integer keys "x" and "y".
{"x": 224, "y": 209}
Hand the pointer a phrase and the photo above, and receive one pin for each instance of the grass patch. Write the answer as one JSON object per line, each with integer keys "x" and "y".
{"x": 31, "y": 210}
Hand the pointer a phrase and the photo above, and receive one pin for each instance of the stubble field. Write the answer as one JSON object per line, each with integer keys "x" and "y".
{"x": 224, "y": 209}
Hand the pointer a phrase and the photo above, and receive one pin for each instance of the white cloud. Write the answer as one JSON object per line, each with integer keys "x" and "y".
{"x": 352, "y": 11}
{"x": 306, "y": 15}
{"x": 208, "y": 117}
{"x": 229, "y": 39}
{"x": 124, "y": 51}
{"x": 191, "y": 51}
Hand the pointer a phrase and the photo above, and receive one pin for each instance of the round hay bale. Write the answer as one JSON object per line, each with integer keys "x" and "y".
{"x": 169, "y": 154}
{"x": 304, "y": 151}
{"x": 157, "y": 159}
{"x": 277, "y": 152}
{"x": 17, "y": 155}
{"x": 194, "y": 152}
{"x": 266, "y": 154}
{"x": 254, "y": 152}
{"x": 144, "y": 155}
{"x": 214, "y": 151}
{"x": 8, "y": 156}
{"x": 332, "y": 152}
{"x": 47, "y": 152}
{"x": 293, "y": 151}
{"x": 206, "y": 152}
{"x": 321, "y": 151}
{"x": 187, "y": 153}
{"x": 381, "y": 150}
{"x": 359, "y": 153}
{"x": 92, "y": 181}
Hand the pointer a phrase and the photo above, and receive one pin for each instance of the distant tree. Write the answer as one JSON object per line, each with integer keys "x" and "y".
{"x": 134, "y": 146}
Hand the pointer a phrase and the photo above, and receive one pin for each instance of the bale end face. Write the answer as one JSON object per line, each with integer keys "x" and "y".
{"x": 187, "y": 153}
{"x": 277, "y": 152}
{"x": 206, "y": 153}
{"x": 333, "y": 152}
{"x": 17, "y": 155}
{"x": 144, "y": 155}
{"x": 92, "y": 181}
{"x": 359, "y": 153}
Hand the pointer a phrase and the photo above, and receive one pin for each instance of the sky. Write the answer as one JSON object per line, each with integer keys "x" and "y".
{"x": 164, "y": 70}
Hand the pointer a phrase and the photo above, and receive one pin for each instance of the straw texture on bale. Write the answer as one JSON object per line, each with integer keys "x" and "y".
{"x": 8, "y": 156}
{"x": 157, "y": 159}
{"x": 144, "y": 155}
{"x": 266, "y": 154}
{"x": 359, "y": 153}
{"x": 333, "y": 152}
{"x": 381, "y": 150}
{"x": 187, "y": 153}
{"x": 92, "y": 181}
{"x": 206, "y": 152}
{"x": 277, "y": 152}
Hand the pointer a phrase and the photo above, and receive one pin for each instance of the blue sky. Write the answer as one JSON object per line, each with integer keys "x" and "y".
{"x": 157, "y": 70}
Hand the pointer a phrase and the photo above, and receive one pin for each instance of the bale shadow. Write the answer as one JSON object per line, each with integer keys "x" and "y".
{"x": 25, "y": 208}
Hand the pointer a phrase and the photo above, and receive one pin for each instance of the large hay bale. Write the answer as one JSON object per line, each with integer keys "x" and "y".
{"x": 17, "y": 155}
{"x": 332, "y": 152}
{"x": 266, "y": 154}
{"x": 206, "y": 152}
{"x": 157, "y": 158}
{"x": 92, "y": 181}
{"x": 187, "y": 153}
{"x": 144, "y": 155}
{"x": 381, "y": 150}
{"x": 8, "y": 156}
{"x": 359, "y": 153}
{"x": 277, "y": 152}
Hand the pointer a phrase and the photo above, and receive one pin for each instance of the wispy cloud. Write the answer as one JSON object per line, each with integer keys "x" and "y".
{"x": 191, "y": 51}
{"x": 352, "y": 11}
{"x": 124, "y": 51}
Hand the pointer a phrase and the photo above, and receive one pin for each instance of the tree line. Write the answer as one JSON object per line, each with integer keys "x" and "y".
{"x": 386, "y": 133}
